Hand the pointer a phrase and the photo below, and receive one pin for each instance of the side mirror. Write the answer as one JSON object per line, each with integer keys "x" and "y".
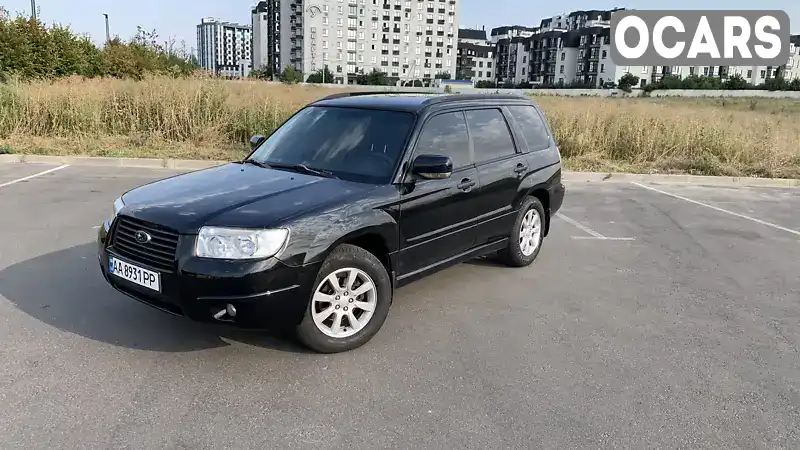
{"x": 256, "y": 140}
{"x": 432, "y": 167}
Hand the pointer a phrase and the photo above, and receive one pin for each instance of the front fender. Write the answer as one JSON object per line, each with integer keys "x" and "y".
{"x": 312, "y": 238}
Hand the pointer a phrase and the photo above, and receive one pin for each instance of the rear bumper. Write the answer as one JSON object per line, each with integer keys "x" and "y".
{"x": 556, "y": 194}
{"x": 266, "y": 293}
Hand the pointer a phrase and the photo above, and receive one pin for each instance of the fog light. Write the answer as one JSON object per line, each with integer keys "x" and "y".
{"x": 231, "y": 310}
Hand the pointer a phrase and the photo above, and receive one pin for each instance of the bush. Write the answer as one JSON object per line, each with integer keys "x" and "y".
{"x": 30, "y": 50}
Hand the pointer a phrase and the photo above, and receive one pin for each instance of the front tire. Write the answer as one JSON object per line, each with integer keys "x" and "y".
{"x": 349, "y": 304}
{"x": 527, "y": 235}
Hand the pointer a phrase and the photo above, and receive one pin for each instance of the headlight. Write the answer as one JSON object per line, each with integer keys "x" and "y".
{"x": 238, "y": 243}
{"x": 118, "y": 204}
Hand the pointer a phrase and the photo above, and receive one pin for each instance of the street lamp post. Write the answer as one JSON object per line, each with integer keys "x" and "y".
{"x": 33, "y": 9}
{"x": 108, "y": 34}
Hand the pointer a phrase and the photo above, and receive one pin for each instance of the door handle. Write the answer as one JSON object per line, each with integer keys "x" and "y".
{"x": 466, "y": 185}
{"x": 521, "y": 168}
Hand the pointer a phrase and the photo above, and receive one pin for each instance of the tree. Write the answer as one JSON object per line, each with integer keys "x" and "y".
{"x": 323, "y": 75}
{"x": 261, "y": 73}
{"x": 775, "y": 84}
{"x": 670, "y": 82}
{"x": 290, "y": 75}
{"x": 374, "y": 78}
{"x": 627, "y": 81}
{"x": 736, "y": 82}
{"x": 794, "y": 85}
{"x": 443, "y": 76}
{"x": 31, "y": 50}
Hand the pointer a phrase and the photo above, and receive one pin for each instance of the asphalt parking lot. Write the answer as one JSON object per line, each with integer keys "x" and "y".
{"x": 665, "y": 318}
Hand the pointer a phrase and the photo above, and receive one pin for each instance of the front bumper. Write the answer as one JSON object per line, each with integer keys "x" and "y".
{"x": 266, "y": 293}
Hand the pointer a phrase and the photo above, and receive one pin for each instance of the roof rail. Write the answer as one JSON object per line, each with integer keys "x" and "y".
{"x": 359, "y": 93}
{"x": 467, "y": 97}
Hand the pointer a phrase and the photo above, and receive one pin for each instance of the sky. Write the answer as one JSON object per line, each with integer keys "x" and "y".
{"x": 177, "y": 19}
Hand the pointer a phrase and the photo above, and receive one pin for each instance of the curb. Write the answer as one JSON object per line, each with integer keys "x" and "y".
{"x": 596, "y": 177}
{"x": 572, "y": 177}
{"x": 100, "y": 161}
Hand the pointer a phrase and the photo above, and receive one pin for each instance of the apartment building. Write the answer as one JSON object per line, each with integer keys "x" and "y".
{"x": 791, "y": 69}
{"x": 407, "y": 39}
{"x": 266, "y": 26}
{"x": 223, "y": 48}
{"x": 474, "y": 56}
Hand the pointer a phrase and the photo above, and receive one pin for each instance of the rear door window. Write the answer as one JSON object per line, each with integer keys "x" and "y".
{"x": 446, "y": 134}
{"x": 531, "y": 126}
{"x": 490, "y": 134}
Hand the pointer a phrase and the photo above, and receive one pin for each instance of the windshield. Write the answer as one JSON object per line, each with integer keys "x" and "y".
{"x": 361, "y": 145}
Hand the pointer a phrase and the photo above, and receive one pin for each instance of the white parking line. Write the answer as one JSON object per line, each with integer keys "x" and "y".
{"x": 588, "y": 230}
{"x": 594, "y": 234}
{"x": 9, "y": 183}
{"x": 717, "y": 208}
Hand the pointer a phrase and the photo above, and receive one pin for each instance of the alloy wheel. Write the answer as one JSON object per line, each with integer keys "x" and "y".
{"x": 344, "y": 302}
{"x": 530, "y": 232}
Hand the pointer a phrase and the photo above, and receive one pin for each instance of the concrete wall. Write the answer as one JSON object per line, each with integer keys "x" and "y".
{"x": 579, "y": 92}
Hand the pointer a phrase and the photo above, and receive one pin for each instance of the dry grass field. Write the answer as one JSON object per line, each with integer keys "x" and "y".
{"x": 212, "y": 119}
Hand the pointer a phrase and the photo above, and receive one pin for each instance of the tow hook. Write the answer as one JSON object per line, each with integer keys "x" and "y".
{"x": 229, "y": 310}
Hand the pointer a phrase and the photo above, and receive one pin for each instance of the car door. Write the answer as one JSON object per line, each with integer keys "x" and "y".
{"x": 437, "y": 216}
{"x": 501, "y": 168}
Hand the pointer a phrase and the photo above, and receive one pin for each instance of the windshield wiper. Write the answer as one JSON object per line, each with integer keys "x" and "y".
{"x": 304, "y": 169}
{"x": 255, "y": 163}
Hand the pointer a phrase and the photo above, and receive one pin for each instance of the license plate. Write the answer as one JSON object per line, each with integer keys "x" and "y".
{"x": 134, "y": 274}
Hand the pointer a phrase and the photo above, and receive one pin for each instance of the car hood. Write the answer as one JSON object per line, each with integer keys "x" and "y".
{"x": 233, "y": 195}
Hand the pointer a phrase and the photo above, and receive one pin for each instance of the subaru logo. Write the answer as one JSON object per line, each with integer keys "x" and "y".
{"x": 142, "y": 237}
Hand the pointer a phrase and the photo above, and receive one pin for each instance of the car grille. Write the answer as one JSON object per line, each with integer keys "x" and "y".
{"x": 159, "y": 253}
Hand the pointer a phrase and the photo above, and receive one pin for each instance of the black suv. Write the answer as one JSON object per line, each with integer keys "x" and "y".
{"x": 352, "y": 197}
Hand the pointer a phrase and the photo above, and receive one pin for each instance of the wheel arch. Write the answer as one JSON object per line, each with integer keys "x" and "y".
{"x": 543, "y": 195}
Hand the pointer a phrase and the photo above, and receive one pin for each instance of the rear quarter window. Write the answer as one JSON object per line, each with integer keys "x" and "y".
{"x": 531, "y": 126}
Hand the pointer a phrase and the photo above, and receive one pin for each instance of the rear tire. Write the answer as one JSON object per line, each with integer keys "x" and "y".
{"x": 527, "y": 235}
{"x": 349, "y": 302}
